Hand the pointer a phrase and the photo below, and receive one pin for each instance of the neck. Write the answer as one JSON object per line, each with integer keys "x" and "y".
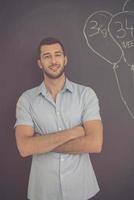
{"x": 54, "y": 86}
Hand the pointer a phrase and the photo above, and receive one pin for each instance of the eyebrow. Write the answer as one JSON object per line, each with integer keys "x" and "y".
{"x": 47, "y": 53}
{"x": 58, "y": 52}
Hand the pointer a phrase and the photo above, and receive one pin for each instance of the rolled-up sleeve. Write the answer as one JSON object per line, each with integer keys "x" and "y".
{"x": 23, "y": 116}
{"x": 91, "y": 110}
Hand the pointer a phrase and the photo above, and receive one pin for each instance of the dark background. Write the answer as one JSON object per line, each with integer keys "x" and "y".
{"x": 22, "y": 25}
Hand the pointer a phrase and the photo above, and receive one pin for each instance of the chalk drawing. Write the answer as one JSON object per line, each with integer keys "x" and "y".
{"x": 104, "y": 31}
{"x": 128, "y": 5}
{"x": 121, "y": 29}
{"x": 96, "y": 33}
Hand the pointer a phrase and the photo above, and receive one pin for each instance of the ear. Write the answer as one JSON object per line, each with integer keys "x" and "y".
{"x": 39, "y": 63}
{"x": 66, "y": 61}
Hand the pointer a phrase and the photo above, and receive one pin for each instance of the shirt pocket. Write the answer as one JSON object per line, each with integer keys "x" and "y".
{"x": 71, "y": 116}
{"x": 44, "y": 118}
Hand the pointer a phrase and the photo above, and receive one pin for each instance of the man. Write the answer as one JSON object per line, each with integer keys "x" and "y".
{"x": 59, "y": 124}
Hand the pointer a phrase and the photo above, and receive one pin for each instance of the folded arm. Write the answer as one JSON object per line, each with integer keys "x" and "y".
{"x": 28, "y": 143}
{"x": 90, "y": 143}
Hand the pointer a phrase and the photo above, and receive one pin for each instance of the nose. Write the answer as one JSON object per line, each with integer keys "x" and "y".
{"x": 53, "y": 59}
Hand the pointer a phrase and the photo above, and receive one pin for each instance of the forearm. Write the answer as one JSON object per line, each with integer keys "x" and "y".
{"x": 46, "y": 143}
{"x": 83, "y": 144}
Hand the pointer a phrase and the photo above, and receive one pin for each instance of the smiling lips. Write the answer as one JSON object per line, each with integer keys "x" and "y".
{"x": 54, "y": 67}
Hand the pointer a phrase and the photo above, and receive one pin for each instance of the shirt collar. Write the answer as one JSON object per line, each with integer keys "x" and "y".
{"x": 43, "y": 90}
{"x": 68, "y": 86}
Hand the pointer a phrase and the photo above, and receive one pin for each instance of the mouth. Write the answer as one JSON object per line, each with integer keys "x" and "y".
{"x": 54, "y": 67}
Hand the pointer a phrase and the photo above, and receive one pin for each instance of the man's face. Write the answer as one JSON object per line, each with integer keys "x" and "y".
{"x": 52, "y": 60}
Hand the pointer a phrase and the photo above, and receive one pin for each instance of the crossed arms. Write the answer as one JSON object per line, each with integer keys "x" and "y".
{"x": 87, "y": 138}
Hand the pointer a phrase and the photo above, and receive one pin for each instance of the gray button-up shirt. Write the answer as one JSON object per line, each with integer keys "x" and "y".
{"x": 58, "y": 176}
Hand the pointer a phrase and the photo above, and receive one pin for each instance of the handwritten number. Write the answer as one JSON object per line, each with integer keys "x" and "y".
{"x": 121, "y": 31}
{"x": 96, "y": 28}
{"x": 130, "y": 28}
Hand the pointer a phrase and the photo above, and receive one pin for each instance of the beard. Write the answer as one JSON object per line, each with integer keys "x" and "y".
{"x": 52, "y": 75}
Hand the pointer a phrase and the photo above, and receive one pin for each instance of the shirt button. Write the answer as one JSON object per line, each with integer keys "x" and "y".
{"x": 62, "y": 159}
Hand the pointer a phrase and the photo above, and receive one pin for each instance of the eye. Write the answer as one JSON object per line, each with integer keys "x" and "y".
{"x": 46, "y": 56}
{"x": 58, "y": 55}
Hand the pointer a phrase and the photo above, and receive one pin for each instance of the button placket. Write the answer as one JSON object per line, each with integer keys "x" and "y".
{"x": 58, "y": 112}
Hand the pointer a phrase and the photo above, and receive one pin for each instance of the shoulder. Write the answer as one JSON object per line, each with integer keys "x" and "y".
{"x": 29, "y": 95}
{"x": 82, "y": 89}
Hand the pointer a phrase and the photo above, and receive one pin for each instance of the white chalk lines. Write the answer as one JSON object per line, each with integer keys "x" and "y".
{"x": 112, "y": 38}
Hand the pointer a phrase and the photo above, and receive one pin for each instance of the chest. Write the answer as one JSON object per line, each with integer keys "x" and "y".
{"x": 65, "y": 112}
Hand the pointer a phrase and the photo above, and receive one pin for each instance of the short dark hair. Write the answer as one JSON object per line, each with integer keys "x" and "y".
{"x": 49, "y": 41}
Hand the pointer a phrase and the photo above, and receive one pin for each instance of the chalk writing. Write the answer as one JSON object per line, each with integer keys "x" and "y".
{"x": 128, "y": 44}
{"x": 96, "y": 32}
{"x": 96, "y": 29}
{"x": 121, "y": 29}
{"x": 115, "y": 31}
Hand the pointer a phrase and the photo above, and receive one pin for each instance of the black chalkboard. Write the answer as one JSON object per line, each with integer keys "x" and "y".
{"x": 99, "y": 40}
